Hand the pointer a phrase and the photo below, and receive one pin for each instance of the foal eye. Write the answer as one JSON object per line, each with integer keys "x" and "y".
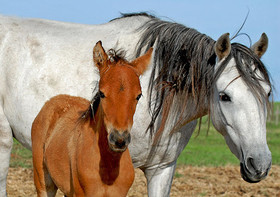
{"x": 101, "y": 94}
{"x": 268, "y": 95}
{"x": 224, "y": 97}
{"x": 138, "y": 97}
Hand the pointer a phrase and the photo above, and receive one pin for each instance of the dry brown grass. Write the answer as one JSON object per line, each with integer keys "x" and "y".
{"x": 188, "y": 181}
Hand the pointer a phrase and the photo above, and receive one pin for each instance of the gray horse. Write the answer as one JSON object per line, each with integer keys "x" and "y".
{"x": 191, "y": 76}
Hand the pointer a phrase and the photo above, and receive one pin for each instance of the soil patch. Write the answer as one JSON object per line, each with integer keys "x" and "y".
{"x": 188, "y": 181}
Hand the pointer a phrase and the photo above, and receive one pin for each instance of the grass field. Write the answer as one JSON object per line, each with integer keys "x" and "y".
{"x": 211, "y": 149}
{"x": 203, "y": 150}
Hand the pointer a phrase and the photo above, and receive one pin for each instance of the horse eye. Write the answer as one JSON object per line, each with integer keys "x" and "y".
{"x": 101, "y": 94}
{"x": 224, "y": 97}
{"x": 138, "y": 97}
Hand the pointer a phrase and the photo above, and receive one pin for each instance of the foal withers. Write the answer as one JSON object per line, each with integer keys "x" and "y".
{"x": 79, "y": 146}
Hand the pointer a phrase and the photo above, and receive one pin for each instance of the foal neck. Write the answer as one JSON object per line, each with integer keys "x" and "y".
{"x": 109, "y": 164}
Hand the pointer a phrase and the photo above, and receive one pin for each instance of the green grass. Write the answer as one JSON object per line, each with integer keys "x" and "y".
{"x": 203, "y": 150}
{"x": 20, "y": 157}
{"x": 207, "y": 150}
{"x": 211, "y": 149}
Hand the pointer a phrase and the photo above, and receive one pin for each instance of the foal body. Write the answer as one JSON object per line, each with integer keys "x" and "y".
{"x": 79, "y": 152}
{"x": 80, "y": 147}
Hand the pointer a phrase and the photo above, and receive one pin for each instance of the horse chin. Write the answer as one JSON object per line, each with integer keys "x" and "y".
{"x": 249, "y": 177}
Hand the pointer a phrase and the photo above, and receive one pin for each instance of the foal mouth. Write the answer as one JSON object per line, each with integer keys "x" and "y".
{"x": 116, "y": 148}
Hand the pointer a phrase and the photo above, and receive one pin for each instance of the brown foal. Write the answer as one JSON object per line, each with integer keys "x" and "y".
{"x": 80, "y": 147}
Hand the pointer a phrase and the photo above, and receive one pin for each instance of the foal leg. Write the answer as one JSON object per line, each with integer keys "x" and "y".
{"x": 42, "y": 179}
{"x": 6, "y": 143}
{"x": 45, "y": 186}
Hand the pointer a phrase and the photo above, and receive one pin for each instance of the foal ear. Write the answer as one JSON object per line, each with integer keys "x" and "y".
{"x": 99, "y": 56}
{"x": 141, "y": 63}
{"x": 223, "y": 46}
{"x": 259, "y": 48}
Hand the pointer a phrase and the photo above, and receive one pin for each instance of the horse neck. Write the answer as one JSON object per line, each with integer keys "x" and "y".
{"x": 192, "y": 109}
{"x": 184, "y": 61}
{"x": 109, "y": 160}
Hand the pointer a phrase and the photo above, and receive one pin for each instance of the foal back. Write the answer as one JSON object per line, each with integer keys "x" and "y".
{"x": 50, "y": 134}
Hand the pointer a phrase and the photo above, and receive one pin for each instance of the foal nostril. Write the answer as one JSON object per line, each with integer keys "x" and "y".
{"x": 123, "y": 139}
{"x": 120, "y": 143}
{"x": 127, "y": 137}
{"x": 111, "y": 138}
{"x": 119, "y": 139}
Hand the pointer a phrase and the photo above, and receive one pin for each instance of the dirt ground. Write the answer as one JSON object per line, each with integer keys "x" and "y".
{"x": 188, "y": 181}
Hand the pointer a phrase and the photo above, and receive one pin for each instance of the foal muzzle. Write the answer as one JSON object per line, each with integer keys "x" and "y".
{"x": 118, "y": 141}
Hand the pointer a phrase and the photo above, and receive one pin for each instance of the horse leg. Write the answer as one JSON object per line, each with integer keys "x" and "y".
{"x": 6, "y": 143}
{"x": 160, "y": 180}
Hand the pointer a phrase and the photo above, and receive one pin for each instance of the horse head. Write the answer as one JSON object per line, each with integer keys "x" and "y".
{"x": 239, "y": 104}
{"x": 119, "y": 92}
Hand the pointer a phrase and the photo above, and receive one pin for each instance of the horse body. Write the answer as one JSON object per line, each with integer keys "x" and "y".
{"x": 68, "y": 47}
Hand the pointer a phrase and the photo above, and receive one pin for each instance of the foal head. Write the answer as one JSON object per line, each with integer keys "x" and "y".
{"x": 119, "y": 92}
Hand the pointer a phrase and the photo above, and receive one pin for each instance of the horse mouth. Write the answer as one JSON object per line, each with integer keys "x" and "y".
{"x": 249, "y": 177}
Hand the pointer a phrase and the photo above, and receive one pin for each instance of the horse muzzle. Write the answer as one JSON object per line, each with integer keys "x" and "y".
{"x": 118, "y": 141}
{"x": 253, "y": 172}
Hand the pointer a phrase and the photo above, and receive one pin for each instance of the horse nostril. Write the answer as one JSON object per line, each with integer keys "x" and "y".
{"x": 250, "y": 164}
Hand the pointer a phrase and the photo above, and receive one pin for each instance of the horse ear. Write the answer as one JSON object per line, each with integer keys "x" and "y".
{"x": 223, "y": 46}
{"x": 99, "y": 56}
{"x": 259, "y": 48}
{"x": 142, "y": 62}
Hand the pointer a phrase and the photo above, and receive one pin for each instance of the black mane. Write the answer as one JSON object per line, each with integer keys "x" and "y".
{"x": 127, "y": 15}
{"x": 92, "y": 109}
{"x": 184, "y": 61}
